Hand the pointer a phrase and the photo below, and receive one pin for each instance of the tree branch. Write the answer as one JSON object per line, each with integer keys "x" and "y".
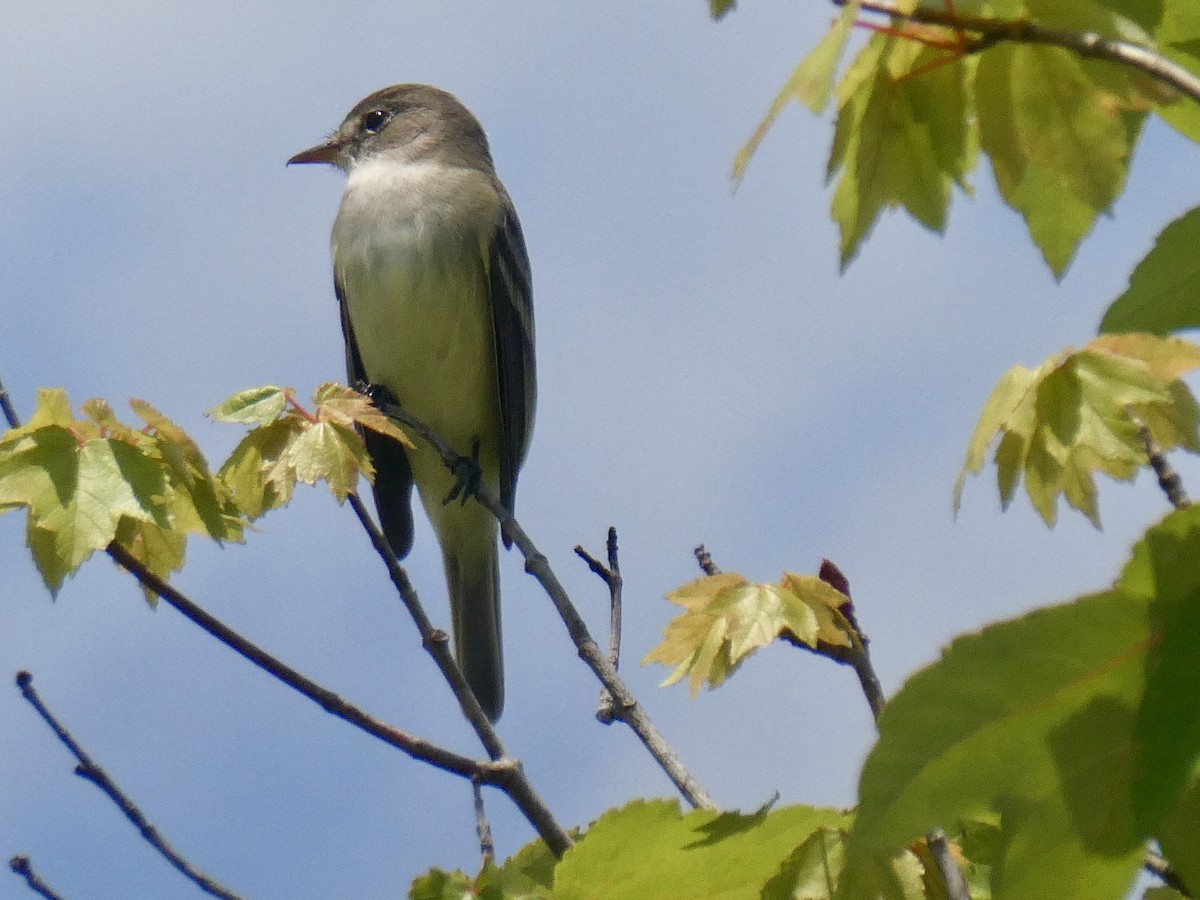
{"x": 434, "y": 640}
{"x": 1157, "y": 865}
{"x": 626, "y": 707}
{"x": 505, "y": 774}
{"x": 487, "y": 848}
{"x": 993, "y": 31}
{"x": 611, "y": 576}
{"x": 89, "y": 770}
{"x": 21, "y": 865}
{"x": 10, "y": 416}
{"x": 1168, "y": 478}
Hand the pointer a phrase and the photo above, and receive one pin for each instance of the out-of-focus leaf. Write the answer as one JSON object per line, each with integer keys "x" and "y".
{"x": 902, "y": 138}
{"x": 649, "y": 849}
{"x": 1079, "y": 413}
{"x": 1032, "y": 720}
{"x": 1164, "y": 289}
{"x": 1059, "y": 132}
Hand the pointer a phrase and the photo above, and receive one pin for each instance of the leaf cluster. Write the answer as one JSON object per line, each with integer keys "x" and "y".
{"x": 1082, "y": 411}
{"x": 90, "y": 480}
{"x": 920, "y": 103}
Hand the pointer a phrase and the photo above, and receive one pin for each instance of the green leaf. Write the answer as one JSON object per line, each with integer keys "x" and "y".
{"x": 1059, "y": 132}
{"x": 1163, "y": 571}
{"x": 255, "y": 471}
{"x": 727, "y": 618}
{"x": 1014, "y": 390}
{"x": 1176, "y": 832}
{"x": 1164, "y": 289}
{"x": 113, "y": 480}
{"x": 440, "y": 885}
{"x": 1079, "y": 413}
{"x": 648, "y": 849}
{"x": 718, "y": 8}
{"x": 257, "y": 406}
{"x": 810, "y": 83}
{"x": 1178, "y": 37}
{"x": 161, "y": 550}
{"x": 1032, "y": 719}
{"x": 902, "y": 137}
{"x": 330, "y": 452}
{"x": 812, "y": 870}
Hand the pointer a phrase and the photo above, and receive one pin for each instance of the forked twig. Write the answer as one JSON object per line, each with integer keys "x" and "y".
{"x": 89, "y": 770}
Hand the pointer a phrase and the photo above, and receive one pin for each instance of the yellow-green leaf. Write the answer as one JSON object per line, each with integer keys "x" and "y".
{"x": 256, "y": 406}
{"x": 1079, "y": 413}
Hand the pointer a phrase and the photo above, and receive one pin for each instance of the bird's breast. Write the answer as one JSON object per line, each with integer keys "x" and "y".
{"x": 410, "y": 252}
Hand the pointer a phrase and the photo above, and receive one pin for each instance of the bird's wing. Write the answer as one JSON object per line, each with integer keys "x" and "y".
{"x": 393, "y": 476}
{"x": 510, "y": 295}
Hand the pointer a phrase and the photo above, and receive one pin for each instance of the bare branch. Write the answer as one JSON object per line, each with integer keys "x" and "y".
{"x": 89, "y": 770}
{"x": 859, "y": 656}
{"x": 993, "y": 31}
{"x": 626, "y": 707}
{"x": 433, "y": 640}
{"x": 611, "y": 576}
{"x": 1157, "y": 865}
{"x": 951, "y": 875}
{"x": 487, "y": 849}
{"x": 10, "y": 416}
{"x": 1168, "y": 478}
{"x": 21, "y": 865}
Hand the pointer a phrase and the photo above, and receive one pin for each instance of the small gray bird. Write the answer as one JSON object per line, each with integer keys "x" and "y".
{"x": 432, "y": 276}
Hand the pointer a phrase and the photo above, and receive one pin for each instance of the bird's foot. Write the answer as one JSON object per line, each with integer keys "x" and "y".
{"x": 467, "y": 474}
{"x": 380, "y": 395}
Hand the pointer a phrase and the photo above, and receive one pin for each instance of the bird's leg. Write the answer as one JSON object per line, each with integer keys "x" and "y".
{"x": 468, "y": 474}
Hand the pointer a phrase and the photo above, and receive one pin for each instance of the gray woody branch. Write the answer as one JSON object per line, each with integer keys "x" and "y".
{"x": 625, "y": 705}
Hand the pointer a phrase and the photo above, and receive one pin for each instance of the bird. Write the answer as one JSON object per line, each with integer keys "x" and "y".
{"x": 433, "y": 282}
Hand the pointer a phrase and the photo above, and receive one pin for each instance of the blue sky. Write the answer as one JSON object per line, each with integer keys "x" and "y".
{"x": 705, "y": 375}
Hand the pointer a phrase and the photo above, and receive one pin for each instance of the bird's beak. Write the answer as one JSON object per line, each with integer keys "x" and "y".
{"x": 322, "y": 153}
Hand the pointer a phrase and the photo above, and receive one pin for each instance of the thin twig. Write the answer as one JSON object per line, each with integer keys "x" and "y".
{"x": 993, "y": 31}
{"x": 611, "y": 576}
{"x": 10, "y": 415}
{"x": 487, "y": 849}
{"x": 1168, "y": 478}
{"x": 434, "y": 640}
{"x": 704, "y": 559}
{"x": 626, "y": 707}
{"x": 89, "y": 770}
{"x": 952, "y": 877}
{"x": 20, "y": 864}
{"x": 1157, "y": 865}
{"x": 859, "y": 655}
{"x": 505, "y": 774}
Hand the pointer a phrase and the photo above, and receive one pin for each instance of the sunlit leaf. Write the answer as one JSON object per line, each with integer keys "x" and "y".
{"x": 1080, "y": 413}
{"x": 1164, "y": 290}
{"x": 650, "y": 849}
{"x": 902, "y": 137}
{"x": 256, "y": 406}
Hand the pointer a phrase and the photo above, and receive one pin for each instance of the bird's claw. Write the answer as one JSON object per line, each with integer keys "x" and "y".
{"x": 467, "y": 476}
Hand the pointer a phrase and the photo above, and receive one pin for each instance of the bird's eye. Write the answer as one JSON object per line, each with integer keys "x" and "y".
{"x": 375, "y": 120}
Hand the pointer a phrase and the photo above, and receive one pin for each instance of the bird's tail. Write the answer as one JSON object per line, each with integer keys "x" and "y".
{"x": 473, "y": 579}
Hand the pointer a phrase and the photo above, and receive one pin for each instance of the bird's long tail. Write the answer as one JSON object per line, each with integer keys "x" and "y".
{"x": 472, "y": 563}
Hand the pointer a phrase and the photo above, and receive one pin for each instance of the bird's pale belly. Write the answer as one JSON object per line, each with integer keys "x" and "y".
{"x": 426, "y": 335}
